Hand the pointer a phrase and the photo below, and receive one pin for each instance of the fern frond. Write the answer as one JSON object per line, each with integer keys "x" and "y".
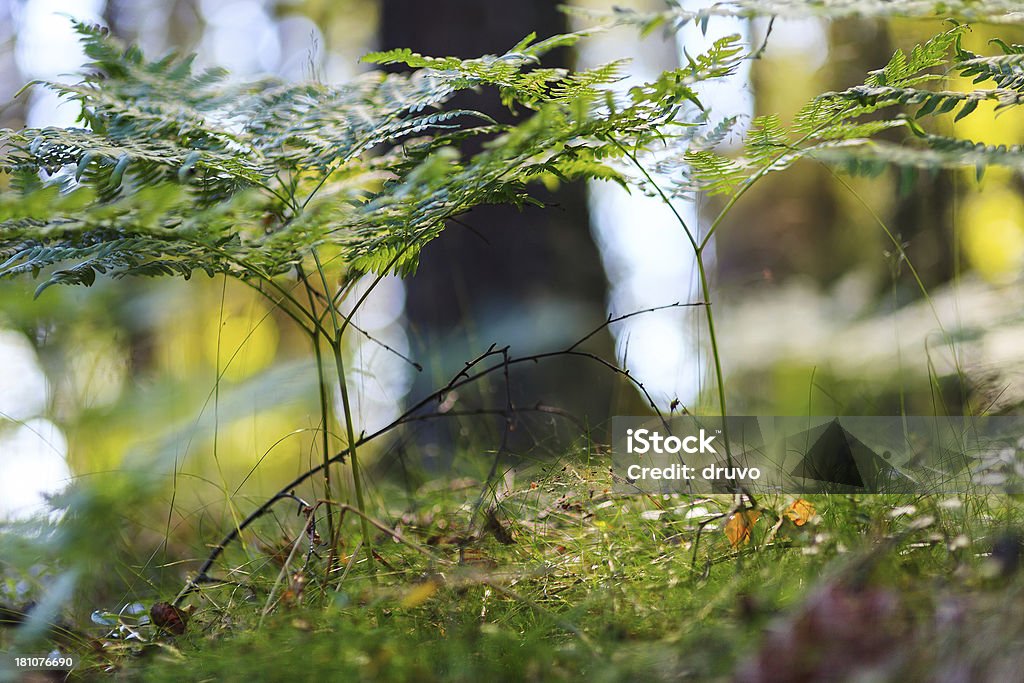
{"x": 871, "y": 157}
{"x": 1006, "y": 71}
{"x": 839, "y": 127}
{"x": 997, "y": 11}
{"x": 107, "y": 163}
{"x": 507, "y": 72}
{"x": 712, "y": 173}
{"x": 177, "y": 171}
{"x": 709, "y": 138}
{"x": 767, "y": 138}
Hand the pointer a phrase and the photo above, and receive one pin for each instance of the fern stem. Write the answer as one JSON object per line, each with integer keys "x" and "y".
{"x": 698, "y": 253}
{"x": 752, "y": 180}
{"x": 665, "y": 200}
{"x": 325, "y": 422}
{"x": 339, "y": 362}
{"x": 357, "y": 479}
{"x": 715, "y": 354}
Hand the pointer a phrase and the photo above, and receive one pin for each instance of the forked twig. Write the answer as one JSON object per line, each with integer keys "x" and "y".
{"x": 463, "y": 378}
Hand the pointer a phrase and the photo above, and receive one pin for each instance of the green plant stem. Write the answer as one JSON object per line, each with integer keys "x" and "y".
{"x": 357, "y": 480}
{"x": 698, "y": 252}
{"x": 324, "y": 423}
{"x": 325, "y": 417}
{"x": 339, "y": 362}
{"x": 715, "y": 354}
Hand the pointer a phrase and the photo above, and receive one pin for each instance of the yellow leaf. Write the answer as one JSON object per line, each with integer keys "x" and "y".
{"x": 800, "y": 511}
{"x": 739, "y": 526}
{"x": 419, "y": 594}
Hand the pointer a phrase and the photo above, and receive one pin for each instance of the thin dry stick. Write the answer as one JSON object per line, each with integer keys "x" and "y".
{"x": 509, "y": 414}
{"x": 476, "y": 412}
{"x": 280, "y": 577}
{"x": 345, "y": 507}
{"x": 555, "y": 617}
{"x": 409, "y": 415}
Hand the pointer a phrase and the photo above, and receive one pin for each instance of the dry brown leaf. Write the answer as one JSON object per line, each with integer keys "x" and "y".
{"x": 495, "y": 527}
{"x": 475, "y": 558}
{"x": 800, "y": 511}
{"x": 739, "y": 526}
{"x": 169, "y": 617}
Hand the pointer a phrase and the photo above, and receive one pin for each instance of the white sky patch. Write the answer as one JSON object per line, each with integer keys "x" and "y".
{"x": 241, "y": 37}
{"x": 33, "y": 450}
{"x": 382, "y": 307}
{"x": 32, "y": 464}
{"x": 23, "y": 386}
{"x": 302, "y": 48}
{"x": 48, "y": 48}
{"x": 378, "y": 379}
{"x": 649, "y": 262}
{"x": 803, "y": 38}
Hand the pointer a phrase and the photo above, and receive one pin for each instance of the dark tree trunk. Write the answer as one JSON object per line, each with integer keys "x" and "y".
{"x": 531, "y": 279}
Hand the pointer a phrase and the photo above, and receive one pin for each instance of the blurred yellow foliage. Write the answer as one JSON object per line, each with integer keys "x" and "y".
{"x": 985, "y": 124}
{"x": 419, "y": 594}
{"x": 246, "y": 337}
{"x": 992, "y": 224}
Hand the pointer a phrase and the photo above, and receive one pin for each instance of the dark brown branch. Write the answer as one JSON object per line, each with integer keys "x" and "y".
{"x": 617, "y": 319}
{"x": 469, "y": 366}
{"x": 461, "y": 379}
{"x": 474, "y": 412}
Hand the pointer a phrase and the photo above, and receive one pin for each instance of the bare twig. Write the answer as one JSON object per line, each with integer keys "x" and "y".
{"x": 509, "y": 414}
{"x": 557, "y": 618}
{"x": 475, "y": 412}
{"x": 202, "y": 576}
{"x": 469, "y": 365}
{"x": 461, "y": 379}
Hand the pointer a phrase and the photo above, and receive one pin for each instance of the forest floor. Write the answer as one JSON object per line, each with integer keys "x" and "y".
{"x": 565, "y": 580}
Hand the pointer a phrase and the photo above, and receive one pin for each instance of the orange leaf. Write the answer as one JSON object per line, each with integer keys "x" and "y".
{"x": 738, "y": 528}
{"x": 800, "y": 511}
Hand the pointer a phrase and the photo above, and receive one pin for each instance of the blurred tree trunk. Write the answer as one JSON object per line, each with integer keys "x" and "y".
{"x": 531, "y": 279}
{"x": 802, "y": 223}
{"x": 12, "y": 115}
{"x": 793, "y": 223}
{"x": 796, "y": 223}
